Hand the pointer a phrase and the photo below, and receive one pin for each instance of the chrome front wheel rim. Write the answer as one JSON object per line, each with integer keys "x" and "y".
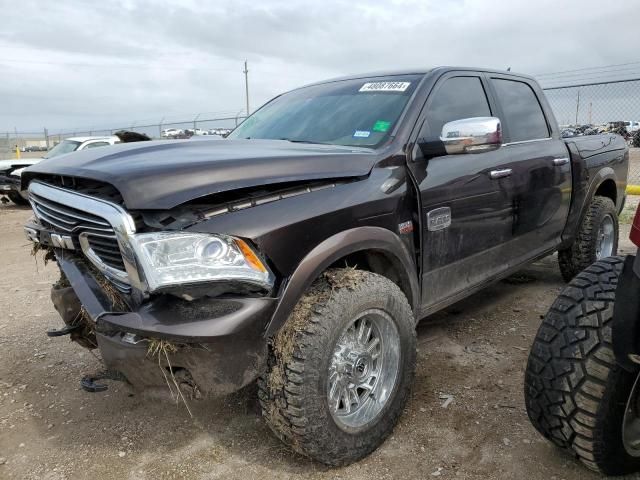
{"x": 363, "y": 370}
{"x": 605, "y": 238}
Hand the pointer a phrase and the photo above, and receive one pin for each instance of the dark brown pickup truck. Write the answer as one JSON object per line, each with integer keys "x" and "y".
{"x": 302, "y": 250}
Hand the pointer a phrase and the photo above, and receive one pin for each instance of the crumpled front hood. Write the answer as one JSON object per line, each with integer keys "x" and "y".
{"x": 164, "y": 174}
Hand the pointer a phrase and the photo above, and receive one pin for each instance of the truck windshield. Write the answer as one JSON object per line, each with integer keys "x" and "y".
{"x": 360, "y": 113}
{"x": 65, "y": 146}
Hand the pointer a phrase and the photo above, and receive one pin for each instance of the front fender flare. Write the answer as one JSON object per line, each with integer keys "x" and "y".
{"x": 331, "y": 250}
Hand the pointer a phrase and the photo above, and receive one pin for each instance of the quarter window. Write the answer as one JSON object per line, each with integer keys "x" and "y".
{"x": 456, "y": 99}
{"x": 522, "y": 111}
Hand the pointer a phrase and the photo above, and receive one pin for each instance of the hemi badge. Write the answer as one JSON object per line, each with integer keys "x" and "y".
{"x": 405, "y": 227}
{"x": 438, "y": 219}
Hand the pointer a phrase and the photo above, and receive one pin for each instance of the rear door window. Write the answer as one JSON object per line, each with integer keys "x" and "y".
{"x": 523, "y": 114}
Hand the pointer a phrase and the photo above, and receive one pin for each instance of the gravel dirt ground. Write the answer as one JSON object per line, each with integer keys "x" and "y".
{"x": 474, "y": 352}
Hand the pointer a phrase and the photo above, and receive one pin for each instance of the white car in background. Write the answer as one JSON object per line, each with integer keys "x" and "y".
{"x": 10, "y": 170}
{"x": 223, "y": 132}
{"x": 632, "y": 126}
{"x": 171, "y": 132}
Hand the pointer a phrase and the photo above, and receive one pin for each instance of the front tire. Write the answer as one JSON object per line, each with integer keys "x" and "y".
{"x": 16, "y": 198}
{"x": 341, "y": 367}
{"x": 575, "y": 393}
{"x": 597, "y": 238}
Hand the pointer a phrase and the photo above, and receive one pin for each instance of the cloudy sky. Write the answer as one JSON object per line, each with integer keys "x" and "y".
{"x": 77, "y": 64}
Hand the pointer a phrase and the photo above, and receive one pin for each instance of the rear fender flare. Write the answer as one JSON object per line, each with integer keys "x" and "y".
{"x": 605, "y": 173}
{"x": 582, "y": 200}
{"x": 331, "y": 250}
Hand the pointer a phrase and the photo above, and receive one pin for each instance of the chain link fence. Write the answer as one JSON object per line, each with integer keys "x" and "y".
{"x": 591, "y": 108}
{"x": 35, "y": 143}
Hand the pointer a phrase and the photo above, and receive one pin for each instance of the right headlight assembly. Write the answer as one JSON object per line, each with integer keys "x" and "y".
{"x": 180, "y": 258}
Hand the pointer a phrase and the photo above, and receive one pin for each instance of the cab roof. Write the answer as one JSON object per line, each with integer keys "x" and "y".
{"x": 419, "y": 71}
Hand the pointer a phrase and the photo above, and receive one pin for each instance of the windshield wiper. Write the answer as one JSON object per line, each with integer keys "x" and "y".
{"x": 304, "y": 141}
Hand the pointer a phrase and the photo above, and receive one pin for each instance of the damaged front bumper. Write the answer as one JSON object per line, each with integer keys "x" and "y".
{"x": 218, "y": 344}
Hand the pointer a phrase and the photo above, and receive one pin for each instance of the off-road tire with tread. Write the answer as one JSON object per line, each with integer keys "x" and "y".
{"x": 575, "y": 393}
{"x": 582, "y": 251}
{"x": 292, "y": 393}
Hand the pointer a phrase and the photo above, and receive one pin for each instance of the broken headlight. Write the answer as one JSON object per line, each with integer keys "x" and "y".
{"x": 178, "y": 258}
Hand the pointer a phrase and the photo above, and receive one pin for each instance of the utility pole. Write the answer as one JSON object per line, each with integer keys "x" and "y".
{"x": 46, "y": 137}
{"x": 590, "y": 105}
{"x": 246, "y": 84}
{"x": 577, "y": 106}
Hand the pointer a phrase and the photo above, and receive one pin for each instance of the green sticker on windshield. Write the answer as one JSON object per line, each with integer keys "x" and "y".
{"x": 381, "y": 126}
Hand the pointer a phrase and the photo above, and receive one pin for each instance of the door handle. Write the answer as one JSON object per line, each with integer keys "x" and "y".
{"x": 505, "y": 172}
{"x": 560, "y": 161}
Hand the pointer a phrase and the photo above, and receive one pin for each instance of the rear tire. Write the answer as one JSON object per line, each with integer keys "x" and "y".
{"x": 575, "y": 393}
{"x": 311, "y": 365}
{"x": 587, "y": 246}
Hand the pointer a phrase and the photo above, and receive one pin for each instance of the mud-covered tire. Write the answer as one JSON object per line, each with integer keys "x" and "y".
{"x": 293, "y": 392}
{"x": 16, "y": 198}
{"x": 575, "y": 393}
{"x": 583, "y": 251}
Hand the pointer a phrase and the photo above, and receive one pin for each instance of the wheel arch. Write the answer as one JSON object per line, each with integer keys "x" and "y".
{"x": 607, "y": 188}
{"x": 604, "y": 182}
{"x": 374, "y": 249}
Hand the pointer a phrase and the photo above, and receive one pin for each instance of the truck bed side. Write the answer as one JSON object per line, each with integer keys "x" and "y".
{"x": 600, "y": 165}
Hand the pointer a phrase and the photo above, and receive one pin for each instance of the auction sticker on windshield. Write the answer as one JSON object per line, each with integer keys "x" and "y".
{"x": 362, "y": 134}
{"x": 384, "y": 87}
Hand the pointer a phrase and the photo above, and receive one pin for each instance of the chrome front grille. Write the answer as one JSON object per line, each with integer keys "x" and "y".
{"x": 91, "y": 233}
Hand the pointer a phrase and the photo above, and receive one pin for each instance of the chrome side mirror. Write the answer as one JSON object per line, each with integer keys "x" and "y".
{"x": 471, "y": 135}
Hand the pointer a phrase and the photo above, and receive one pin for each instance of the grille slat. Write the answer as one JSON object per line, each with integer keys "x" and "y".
{"x": 106, "y": 254}
{"x": 104, "y": 241}
{"x": 57, "y": 216}
{"x": 52, "y": 222}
